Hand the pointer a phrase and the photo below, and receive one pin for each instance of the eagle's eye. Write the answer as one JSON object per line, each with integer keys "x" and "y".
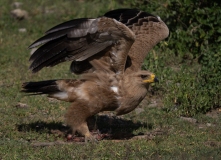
{"x": 143, "y": 76}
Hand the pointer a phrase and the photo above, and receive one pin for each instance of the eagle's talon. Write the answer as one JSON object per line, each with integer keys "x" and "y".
{"x": 91, "y": 139}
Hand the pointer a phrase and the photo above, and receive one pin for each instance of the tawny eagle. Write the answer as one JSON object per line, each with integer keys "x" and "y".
{"x": 109, "y": 52}
{"x": 95, "y": 92}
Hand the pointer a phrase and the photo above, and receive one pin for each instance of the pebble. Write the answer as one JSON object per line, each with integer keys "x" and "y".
{"x": 192, "y": 120}
{"x": 22, "y": 30}
{"x": 21, "y": 105}
{"x": 19, "y": 14}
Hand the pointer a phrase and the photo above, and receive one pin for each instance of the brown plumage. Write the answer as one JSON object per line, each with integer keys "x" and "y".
{"x": 95, "y": 92}
{"x": 109, "y": 51}
{"x": 122, "y": 36}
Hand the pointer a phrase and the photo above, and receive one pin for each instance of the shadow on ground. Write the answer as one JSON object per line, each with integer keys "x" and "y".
{"x": 112, "y": 126}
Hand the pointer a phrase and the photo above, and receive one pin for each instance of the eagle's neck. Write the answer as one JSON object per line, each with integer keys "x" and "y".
{"x": 132, "y": 93}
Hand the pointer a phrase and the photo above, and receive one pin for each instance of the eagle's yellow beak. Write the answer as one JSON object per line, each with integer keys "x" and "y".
{"x": 152, "y": 79}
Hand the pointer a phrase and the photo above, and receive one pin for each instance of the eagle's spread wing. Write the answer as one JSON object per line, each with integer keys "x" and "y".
{"x": 149, "y": 31}
{"x": 110, "y": 39}
{"x": 80, "y": 40}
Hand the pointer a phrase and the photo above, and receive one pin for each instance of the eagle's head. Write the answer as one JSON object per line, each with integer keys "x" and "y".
{"x": 145, "y": 78}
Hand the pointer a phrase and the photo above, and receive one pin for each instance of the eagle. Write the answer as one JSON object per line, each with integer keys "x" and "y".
{"x": 107, "y": 52}
{"x": 95, "y": 92}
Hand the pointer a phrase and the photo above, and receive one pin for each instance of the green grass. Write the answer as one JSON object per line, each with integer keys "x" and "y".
{"x": 168, "y": 136}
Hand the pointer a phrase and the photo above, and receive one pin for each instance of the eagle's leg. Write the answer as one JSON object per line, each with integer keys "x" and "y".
{"x": 83, "y": 129}
{"x": 76, "y": 118}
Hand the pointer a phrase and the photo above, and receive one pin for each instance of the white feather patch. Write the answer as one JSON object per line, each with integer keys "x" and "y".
{"x": 60, "y": 95}
{"x": 158, "y": 17}
{"x": 115, "y": 89}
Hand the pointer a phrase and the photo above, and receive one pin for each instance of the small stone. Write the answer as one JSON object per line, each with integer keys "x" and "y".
{"x": 208, "y": 124}
{"x": 19, "y": 14}
{"x": 22, "y": 30}
{"x": 192, "y": 120}
{"x": 21, "y": 105}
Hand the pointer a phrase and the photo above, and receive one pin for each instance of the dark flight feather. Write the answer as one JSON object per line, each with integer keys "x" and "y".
{"x": 42, "y": 87}
{"x": 63, "y": 29}
{"x": 75, "y": 23}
